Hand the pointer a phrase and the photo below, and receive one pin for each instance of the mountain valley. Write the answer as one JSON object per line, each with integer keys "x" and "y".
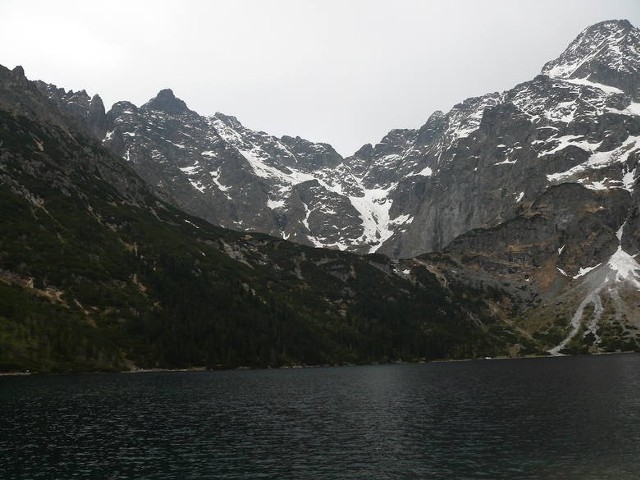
{"x": 159, "y": 237}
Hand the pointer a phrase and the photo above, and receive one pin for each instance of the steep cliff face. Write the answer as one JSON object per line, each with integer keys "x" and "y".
{"x": 566, "y": 265}
{"x": 232, "y": 176}
{"x": 551, "y": 130}
{"x": 84, "y": 113}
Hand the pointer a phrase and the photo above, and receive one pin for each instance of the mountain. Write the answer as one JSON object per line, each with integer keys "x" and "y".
{"x": 416, "y": 190}
{"x": 543, "y": 196}
{"x": 98, "y": 273}
{"x": 524, "y": 191}
{"x": 514, "y": 215}
{"x": 573, "y": 252}
{"x": 541, "y": 133}
{"x": 215, "y": 168}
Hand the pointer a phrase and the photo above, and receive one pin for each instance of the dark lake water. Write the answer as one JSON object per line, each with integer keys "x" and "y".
{"x": 556, "y": 418}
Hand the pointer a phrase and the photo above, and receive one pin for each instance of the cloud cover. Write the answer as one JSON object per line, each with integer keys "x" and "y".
{"x": 341, "y": 72}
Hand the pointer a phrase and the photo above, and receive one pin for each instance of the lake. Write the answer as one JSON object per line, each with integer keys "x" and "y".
{"x": 548, "y": 418}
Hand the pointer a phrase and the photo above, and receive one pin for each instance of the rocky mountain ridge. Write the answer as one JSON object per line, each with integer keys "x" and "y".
{"x": 416, "y": 190}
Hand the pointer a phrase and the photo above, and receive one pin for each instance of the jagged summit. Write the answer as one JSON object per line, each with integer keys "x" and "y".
{"x": 614, "y": 42}
{"x": 18, "y": 70}
{"x": 229, "y": 120}
{"x": 607, "y": 52}
{"x": 167, "y": 102}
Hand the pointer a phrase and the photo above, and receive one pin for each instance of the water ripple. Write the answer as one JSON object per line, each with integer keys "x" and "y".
{"x": 562, "y": 418}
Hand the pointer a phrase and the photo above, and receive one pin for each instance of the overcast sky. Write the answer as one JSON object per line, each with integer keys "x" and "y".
{"x": 338, "y": 71}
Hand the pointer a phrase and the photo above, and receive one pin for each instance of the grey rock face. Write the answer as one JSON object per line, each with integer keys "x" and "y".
{"x": 571, "y": 225}
{"x": 565, "y": 262}
{"x": 84, "y": 113}
{"x": 63, "y": 129}
{"x": 578, "y": 122}
{"x": 215, "y": 168}
{"x": 167, "y": 102}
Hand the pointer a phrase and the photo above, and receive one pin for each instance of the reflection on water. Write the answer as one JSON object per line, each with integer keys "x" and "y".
{"x": 556, "y": 418}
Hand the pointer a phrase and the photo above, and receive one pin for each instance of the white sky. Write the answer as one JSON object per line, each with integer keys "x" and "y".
{"x": 343, "y": 72}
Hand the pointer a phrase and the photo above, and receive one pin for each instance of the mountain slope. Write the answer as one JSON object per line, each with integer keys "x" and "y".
{"x": 98, "y": 273}
{"x": 565, "y": 259}
{"x": 548, "y": 184}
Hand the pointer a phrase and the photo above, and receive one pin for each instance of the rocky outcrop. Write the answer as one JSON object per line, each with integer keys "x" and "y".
{"x": 166, "y": 102}
{"x": 84, "y": 113}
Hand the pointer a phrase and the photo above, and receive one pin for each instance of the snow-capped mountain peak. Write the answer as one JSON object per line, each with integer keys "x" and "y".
{"x": 607, "y": 53}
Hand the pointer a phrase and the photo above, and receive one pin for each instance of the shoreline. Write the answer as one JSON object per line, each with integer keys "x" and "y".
{"x": 297, "y": 367}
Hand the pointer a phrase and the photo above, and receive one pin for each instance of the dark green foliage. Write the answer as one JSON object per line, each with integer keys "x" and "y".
{"x": 615, "y": 338}
{"x": 36, "y": 335}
